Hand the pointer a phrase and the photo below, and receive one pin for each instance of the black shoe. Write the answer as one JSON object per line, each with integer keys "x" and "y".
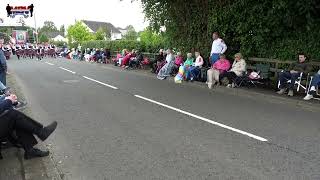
{"x": 47, "y": 131}
{"x": 20, "y": 105}
{"x": 34, "y": 153}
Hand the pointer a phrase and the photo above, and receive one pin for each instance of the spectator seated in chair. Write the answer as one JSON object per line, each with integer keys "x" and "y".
{"x": 219, "y": 67}
{"x": 165, "y": 71}
{"x": 158, "y": 59}
{"x": 187, "y": 65}
{"x": 106, "y": 56}
{"x": 184, "y": 72}
{"x": 293, "y": 73}
{"x": 127, "y": 58}
{"x": 196, "y": 67}
{"x": 124, "y": 53}
{"x": 87, "y": 55}
{"x": 238, "y": 69}
{"x": 313, "y": 85}
{"x": 135, "y": 61}
{"x": 177, "y": 63}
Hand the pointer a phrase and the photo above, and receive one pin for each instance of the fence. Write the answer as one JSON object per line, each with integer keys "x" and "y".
{"x": 275, "y": 65}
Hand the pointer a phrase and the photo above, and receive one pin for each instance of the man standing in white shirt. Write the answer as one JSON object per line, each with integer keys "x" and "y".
{"x": 218, "y": 47}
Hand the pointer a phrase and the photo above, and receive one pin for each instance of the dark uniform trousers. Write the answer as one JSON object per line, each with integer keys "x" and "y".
{"x": 23, "y": 126}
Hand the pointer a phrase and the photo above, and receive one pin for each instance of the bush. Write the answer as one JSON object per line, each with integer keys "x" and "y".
{"x": 58, "y": 43}
{"x": 118, "y": 45}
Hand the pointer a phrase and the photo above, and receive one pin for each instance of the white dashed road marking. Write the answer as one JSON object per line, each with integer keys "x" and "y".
{"x": 67, "y": 70}
{"x": 113, "y": 87}
{"x": 204, "y": 119}
{"x": 49, "y": 63}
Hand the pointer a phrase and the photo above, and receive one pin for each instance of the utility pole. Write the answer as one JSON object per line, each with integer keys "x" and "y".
{"x": 35, "y": 26}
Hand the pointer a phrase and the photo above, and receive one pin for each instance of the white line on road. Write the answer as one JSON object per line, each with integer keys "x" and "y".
{"x": 100, "y": 82}
{"x": 49, "y": 63}
{"x": 204, "y": 119}
{"x": 67, "y": 70}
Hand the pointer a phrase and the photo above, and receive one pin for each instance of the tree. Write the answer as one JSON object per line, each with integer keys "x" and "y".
{"x": 152, "y": 39}
{"x": 43, "y": 38}
{"x": 102, "y": 34}
{"x": 78, "y": 33}
{"x": 48, "y": 26}
{"x": 131, "y": 33}
{"x": 62, "y": 29}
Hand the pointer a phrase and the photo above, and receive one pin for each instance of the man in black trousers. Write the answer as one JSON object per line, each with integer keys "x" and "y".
{"x": 24, "y": 127}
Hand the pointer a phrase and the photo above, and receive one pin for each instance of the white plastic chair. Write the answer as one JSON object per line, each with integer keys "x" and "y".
{"x": 297, "y": 82}
{"x": 309, "y": 87}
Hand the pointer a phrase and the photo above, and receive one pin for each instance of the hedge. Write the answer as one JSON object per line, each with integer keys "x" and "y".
{"x": 121, "y": 44}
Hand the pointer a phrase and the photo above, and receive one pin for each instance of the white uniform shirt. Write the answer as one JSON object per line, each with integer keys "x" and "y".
{"x": 218, "y": 46}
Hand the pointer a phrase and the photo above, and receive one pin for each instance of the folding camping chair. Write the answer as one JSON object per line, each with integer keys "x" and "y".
{"x": 298, "y": 82}
{"x": 263, "y": 77}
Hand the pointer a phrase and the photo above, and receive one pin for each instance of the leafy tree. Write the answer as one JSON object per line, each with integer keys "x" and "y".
{"x": 43, "y": 38}
{"x": 131, "y": 33}
{"x": 102, "y": 34}
{"x": 78, "y": 33}
{"x": 48, "y": 26}
{"x": 62, "y": 29}
{"x": 152, "y": 39}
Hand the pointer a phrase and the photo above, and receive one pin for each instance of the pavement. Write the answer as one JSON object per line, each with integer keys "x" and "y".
{"x": 119, "y": 124}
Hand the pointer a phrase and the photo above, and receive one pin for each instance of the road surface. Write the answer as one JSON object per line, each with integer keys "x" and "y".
{"x": 118, "y": 124}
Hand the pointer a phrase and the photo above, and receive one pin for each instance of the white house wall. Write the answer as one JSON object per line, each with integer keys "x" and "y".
{"x": 116, "y": 36}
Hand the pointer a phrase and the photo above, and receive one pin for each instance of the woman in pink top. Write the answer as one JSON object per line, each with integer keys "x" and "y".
{"x": 219, "y": 67}
{"x": 179, "y": 59}
{"x": 177, "y": 63}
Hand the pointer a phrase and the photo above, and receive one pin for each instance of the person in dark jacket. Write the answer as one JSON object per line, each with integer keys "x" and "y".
{"x": 24, "y": 127}
{"x": 134, "y": 63}
{"x": 158, "y": 60}
{"x": 3, "y": 66}
{"x": 293, "y": 73}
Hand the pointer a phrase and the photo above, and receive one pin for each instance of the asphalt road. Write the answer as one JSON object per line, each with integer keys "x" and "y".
{"x": 118, "y": 124}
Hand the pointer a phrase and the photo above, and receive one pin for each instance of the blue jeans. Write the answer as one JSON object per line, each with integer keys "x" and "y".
{"x": 194, "y": 72}
{"x": 285, "y": 76}
{"x": 214, "y": 58}
{"x": 316, "y": 80}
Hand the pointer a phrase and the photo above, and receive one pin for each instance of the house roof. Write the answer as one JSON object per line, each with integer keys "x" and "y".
{"x": 54, "y": 34}
{"x": 95, "y": 25}
{"x": 122, "y": 28}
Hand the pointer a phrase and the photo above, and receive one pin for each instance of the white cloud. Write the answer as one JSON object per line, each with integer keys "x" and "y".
{"x": 119, "y": 13}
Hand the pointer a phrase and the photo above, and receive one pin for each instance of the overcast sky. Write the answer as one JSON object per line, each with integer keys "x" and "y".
{"x": 119, "y": 13}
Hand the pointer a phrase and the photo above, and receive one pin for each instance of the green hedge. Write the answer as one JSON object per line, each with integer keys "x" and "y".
{"x": 257, "y": 28}
{"x": 121, "y": 44}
